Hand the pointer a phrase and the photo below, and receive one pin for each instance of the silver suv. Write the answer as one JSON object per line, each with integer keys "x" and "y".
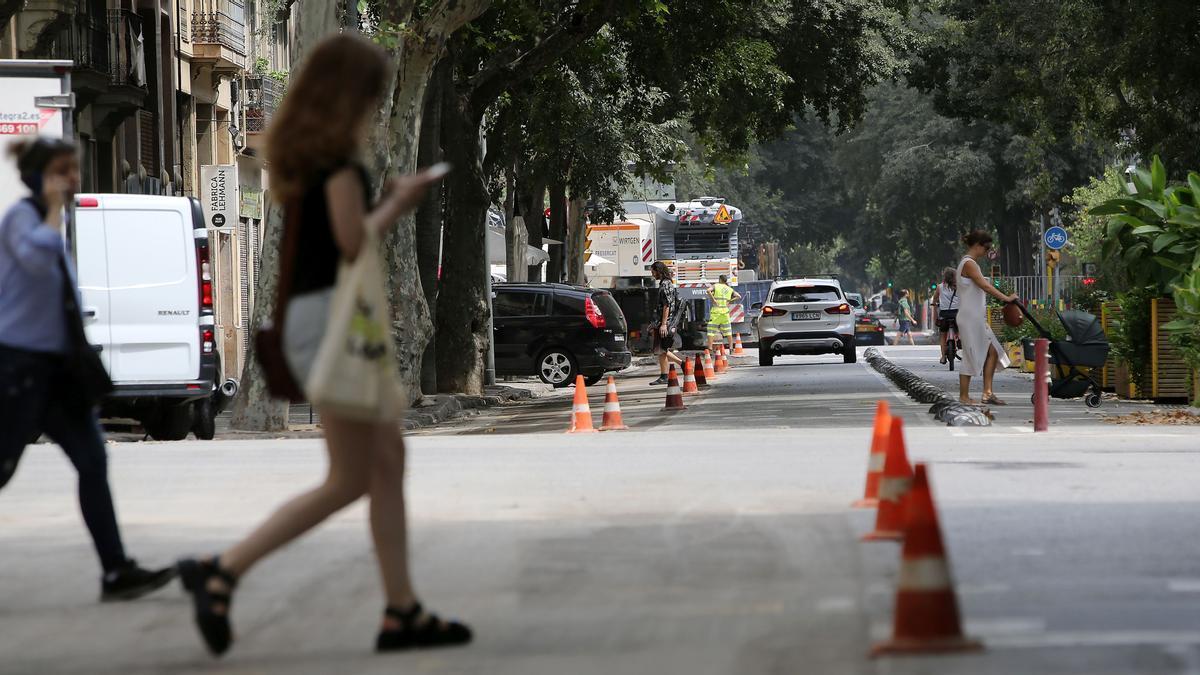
{"x": 805, "y": 316}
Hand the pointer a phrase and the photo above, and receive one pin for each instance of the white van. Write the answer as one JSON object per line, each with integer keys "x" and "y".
{"x": 146, "y": 284}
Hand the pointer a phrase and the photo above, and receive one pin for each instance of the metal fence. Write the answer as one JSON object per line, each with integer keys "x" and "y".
{"x": 1039, "y": 288}
{"x": 220, "y": 22}
{"x": 263, "y": 94}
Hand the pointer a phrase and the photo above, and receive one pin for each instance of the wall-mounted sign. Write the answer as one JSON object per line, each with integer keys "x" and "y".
{"x": 251, "y": 204}
{"x": 219, "y": 195}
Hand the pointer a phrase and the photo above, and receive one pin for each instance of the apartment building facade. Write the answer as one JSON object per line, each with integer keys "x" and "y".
{"x": 173, "y": 97}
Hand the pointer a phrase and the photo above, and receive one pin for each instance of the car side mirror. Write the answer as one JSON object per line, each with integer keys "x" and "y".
{"x": 757, "y": 305}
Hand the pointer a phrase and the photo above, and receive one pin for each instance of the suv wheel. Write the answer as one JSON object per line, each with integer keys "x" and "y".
{"x": 170, "y": 423}
{"x": 205, "y": 422}
{"x": 765, "y": 357}
{"x": 557, "y": 367}
{"x": 850, "y": 354}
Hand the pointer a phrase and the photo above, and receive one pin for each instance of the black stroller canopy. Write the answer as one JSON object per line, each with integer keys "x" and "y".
{"x": 1083, "y": 328}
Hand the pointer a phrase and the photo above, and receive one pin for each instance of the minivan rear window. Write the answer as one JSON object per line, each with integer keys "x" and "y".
{"x": 806, "y": 294}
{"x": 608, "y": 305}
{"x": 519, "y": 303}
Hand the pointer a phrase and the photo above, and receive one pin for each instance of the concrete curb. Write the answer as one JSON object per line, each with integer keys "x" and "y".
{"x": 944, "y": 409}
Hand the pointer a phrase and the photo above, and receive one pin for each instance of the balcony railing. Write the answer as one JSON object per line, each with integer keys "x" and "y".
{"x": 263, "y": 94}
{"x": 105, "y": 45}
{"x": 220, "y": 22}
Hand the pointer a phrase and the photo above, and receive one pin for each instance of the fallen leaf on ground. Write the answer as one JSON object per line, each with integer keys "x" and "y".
{"x": 1156, "y": 417}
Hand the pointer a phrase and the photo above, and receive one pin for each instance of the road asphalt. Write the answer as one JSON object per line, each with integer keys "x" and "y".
{"x": 715, "y": 540}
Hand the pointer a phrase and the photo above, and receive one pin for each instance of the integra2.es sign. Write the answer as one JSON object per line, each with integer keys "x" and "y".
{"x": 219, "y": 190}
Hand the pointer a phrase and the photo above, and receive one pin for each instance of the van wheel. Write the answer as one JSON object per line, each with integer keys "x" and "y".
{"x": 205, "y": 422}
{"x": 172, "y": 423}
{"x": 850, "y": 355}
{"x": 557, "y": 367}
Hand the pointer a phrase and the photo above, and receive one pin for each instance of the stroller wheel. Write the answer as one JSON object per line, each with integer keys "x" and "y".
{"x": 1093, "y": 400}
{"x": 1033, "y": 399}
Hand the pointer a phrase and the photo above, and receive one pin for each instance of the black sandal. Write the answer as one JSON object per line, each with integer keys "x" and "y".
{"x": 214, "y": 627}
{"x": 432, "y": 633}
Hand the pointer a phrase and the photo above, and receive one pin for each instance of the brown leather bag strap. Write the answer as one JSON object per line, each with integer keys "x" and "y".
{"x": 291, "y": 236}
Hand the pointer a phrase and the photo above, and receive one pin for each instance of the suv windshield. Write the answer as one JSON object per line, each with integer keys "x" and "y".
{"x": 806, "y": 294}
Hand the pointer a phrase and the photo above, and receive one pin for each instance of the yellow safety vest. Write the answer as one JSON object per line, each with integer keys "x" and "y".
{"x": 722, "y": 294}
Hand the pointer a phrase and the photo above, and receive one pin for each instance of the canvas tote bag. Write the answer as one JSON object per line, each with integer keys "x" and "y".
{"x": 354, "y": 374}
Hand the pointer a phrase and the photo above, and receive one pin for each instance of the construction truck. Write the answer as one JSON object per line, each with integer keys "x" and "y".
{"x": 698, "y": 240}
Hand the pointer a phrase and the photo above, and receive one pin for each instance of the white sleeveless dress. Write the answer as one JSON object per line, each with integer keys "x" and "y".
{"x": 973, "y": 328}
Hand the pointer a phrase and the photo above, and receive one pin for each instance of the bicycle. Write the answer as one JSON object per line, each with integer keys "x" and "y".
{"x": 953, "y": 344}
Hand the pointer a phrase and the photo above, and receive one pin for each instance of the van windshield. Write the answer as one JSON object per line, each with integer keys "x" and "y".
{"x": 806, "y": 294}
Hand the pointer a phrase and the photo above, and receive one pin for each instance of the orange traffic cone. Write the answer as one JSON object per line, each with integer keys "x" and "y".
{"x": 710, "y": 370}
{"x": 722, "y": 362}
{"x": 612, "y": 409}
{"x": 893, "y": 486}
{"x": 698, "y": 370}
{"x": 689, "y": 379}
{"x": 737, "y": 345}
{"x": 927, "y": 618}
{"x": 674, "y": 395}
{"x": 581, "y": 417}
{"x": 879, "y": 439}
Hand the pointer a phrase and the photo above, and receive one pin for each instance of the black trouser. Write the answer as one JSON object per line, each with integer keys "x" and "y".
{"x": 36, "y": 398}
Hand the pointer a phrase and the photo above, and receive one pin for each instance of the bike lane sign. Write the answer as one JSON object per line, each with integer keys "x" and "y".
{"x": 1056, "y": 238}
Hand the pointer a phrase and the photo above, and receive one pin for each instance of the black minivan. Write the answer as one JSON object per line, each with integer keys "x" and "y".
{"x": 556, "y": 332}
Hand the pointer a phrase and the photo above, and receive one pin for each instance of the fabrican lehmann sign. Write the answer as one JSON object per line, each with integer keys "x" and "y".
{"x": 219, "y": 190}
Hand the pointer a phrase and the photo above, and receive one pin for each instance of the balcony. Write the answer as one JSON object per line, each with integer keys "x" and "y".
{"x": 219, "y": 34}
{"x": 263, "y": 94}
{"x": 110, "y": 69}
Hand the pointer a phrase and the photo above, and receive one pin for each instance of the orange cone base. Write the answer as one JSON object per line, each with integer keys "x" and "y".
{"x": 613, "y": 427}
{"x": 678, "y": 409}
{"x": 582, "y": 431}
{"x": 934, "y": 646}
{"x": 883, "y": 535}
{"x": 866, "y": 503}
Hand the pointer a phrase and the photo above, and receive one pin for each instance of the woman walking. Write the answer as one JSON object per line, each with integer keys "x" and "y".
{"x": 320, "y": 129}
{"x": 668, "y": 312}
{"x": 981, "y": 350}
{"x": 945, "y": 298}
{"x": 40, "y": 328}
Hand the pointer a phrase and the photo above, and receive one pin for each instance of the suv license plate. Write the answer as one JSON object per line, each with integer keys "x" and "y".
{"x": 619, "y": 338}
{"x": 805, "y": 316}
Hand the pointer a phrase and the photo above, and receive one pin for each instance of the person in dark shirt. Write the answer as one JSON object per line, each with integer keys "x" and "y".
{"x": 37, "y": 384}
{"x": 667, "y": 314}
{"x": 317, "y": 134}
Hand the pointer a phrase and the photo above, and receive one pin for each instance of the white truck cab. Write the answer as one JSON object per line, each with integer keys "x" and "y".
{"x": 146, "y": 285}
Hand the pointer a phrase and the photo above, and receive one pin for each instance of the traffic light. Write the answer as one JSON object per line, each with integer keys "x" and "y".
{"x": 889, "y": 284}
{"x": 1089, "y": 281}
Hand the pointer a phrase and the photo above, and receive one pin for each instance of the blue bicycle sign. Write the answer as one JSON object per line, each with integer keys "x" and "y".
{"x": 1056, "y": 238}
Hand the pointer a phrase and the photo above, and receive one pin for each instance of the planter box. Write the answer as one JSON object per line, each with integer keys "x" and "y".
{"x": 1170, "y": 377}
{"x": 1125, "y": 387}
{"x": 1109, "y": 312}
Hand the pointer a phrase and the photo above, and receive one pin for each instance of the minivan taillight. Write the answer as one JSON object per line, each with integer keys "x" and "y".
{"x": 593, "y": 313}
{"x": 840, "y": 309}
{"x": 773, "y": 311}
{"x": 207, "y": 340}
{"x": 205, "y": 272}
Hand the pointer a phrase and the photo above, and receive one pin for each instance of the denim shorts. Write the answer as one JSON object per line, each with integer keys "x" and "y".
{"x": 905, "y": 326}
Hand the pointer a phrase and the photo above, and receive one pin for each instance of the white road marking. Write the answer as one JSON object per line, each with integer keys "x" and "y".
{"x": 1128, "y": 638}
{"x": 1184, "y": 585}
{"x": 838, "y": 604}
{"x": 1024, "y": 430}
{"x": 987, "y": 628}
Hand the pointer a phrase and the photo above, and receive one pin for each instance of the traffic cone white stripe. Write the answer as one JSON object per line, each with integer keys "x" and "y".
{"x": 892, "y": 489}
{"x": 583, "y": 408}
{"x": 612, "y": 407}
{"x": 875, "y": 462}
{"x": 928, "y": 573}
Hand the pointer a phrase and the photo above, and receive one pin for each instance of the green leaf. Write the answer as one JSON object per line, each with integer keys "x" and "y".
{"x": 1158, "y": 208}
{"x": 1194, "y": 184}
{"x": 1147, "y": 229}
{"x": 1179, "y": 248}
{"x": 1158, "y": 175}
{"x": 1110, "y": 207}
{"x": 1164, "y": 240}
{"x": 1169, "y": 264}
{"x": 1133, "y": 252}
{"x": 1177, "y": 324}
{"x": 1142, "y": 182}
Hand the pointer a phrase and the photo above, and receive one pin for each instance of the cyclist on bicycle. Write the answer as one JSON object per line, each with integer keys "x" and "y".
{"x": 946, "y": 300}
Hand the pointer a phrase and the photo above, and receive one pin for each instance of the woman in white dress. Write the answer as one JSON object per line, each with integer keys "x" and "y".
{"x": 981, "y": 351}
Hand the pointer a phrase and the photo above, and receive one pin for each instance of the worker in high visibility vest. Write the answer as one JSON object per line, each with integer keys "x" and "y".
{"x": 718, "y": 318}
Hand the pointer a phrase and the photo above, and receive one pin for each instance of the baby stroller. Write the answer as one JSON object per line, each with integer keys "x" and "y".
{"x": 1072, "y": 359}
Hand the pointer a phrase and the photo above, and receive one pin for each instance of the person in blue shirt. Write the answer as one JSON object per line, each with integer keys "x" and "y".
{"x": 37, "y": 395}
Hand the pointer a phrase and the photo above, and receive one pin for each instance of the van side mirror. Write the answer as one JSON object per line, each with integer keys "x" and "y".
{"x": 757, "y": 305}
